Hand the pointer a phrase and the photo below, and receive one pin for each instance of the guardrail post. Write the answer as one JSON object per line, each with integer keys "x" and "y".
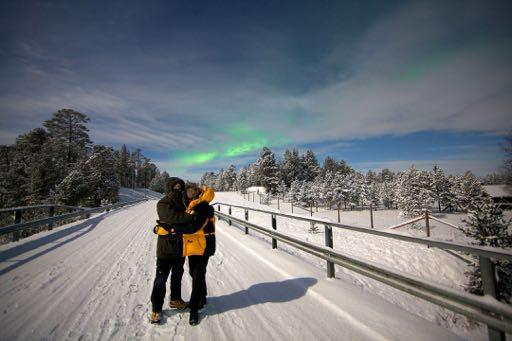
{"x": 427, "y": 222}
{"x": 229, "y": 211}
{"x": 218, "y": 208}
{"x": 278, "y": 202}
{"x": 329, "y": 243}
{"x": 371, "y": 215}
{"x": 17, "y": 220}
{"x": 489, "y": 283}
{"x": 246, "y": 214}
{"x": 291, "y": 203}
{"x": 274, "y": 226}
{"x": 51, "y": 213}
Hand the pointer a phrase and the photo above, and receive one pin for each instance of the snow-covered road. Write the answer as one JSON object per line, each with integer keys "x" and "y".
{"x": 92, "y": 280}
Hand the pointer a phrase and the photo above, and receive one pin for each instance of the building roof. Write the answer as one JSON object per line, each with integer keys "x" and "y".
{"x": 499, "y": 191}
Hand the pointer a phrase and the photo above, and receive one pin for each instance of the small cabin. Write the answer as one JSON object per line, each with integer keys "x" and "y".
{"x": 500, "y": 194}
{"x": 256, "y": 189}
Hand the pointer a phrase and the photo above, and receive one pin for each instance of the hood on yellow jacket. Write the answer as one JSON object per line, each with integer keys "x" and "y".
{"x": 206, "y": 195}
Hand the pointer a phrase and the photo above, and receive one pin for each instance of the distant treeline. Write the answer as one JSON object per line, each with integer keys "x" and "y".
{"x": 301, "y": 179}
{"x": 58, "y": 163}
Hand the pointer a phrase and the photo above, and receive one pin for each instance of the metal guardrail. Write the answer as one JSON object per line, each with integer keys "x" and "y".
{"x": 496, "y": 315}
{"x": 33, "y": 207}
{"x": 51, "y": 220}
{"x": 476, "y": 250}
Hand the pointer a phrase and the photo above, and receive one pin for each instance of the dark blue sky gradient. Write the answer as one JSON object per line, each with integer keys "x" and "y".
{"x": 378, "y": 83}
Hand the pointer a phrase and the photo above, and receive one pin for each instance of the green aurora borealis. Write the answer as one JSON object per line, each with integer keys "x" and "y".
{"x": 237, "y": 140}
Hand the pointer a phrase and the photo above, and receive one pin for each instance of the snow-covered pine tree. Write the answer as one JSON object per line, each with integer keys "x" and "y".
{"x": 253, "y": 175}
{"x": 304, "y": 197}
{"x": 147, "y": 172}
{"x": 123, "y": 166}
{"x": 13, "y": 178}
{"x": 340, "y": 189}
{"x": 291, "y": 166}
{"x": 413, "y": 193}
{"x": 208, "y": 179}
{"x": 242, "y": 181}
{"x": 370, "y": 189}
{"x": 487, "y": 225}
{"x": 328, "y": 189}
{"x": 282, "y": 190}
{"x": 440, "y": 187}
{"x": 310, "y": 166}
{"x": 466, "y": 189}
{"x": 330, "y": 166}
{"x": 159, "y": 182}
{"x": 220, "y": 181}
{"x": 69, "y": 127}
{"x": 230, "y": 178}
{"x": 267, "y": 170}
{"x": 92, "y": 180}
{"x": 386, "y": 192}
{"x": 356, "y": 182}
{"x": 293, "y": 193}
{"x": 316, "y": 191}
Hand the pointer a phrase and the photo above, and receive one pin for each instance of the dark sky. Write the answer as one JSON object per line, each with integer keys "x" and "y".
{"x": 201, "y": 84}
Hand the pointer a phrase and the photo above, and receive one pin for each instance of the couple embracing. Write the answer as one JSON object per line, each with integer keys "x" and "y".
{"x": 185, "y": 228}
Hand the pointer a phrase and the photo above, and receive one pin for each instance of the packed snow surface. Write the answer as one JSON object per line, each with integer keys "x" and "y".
{"x": 128, "y": 194}
{"x": 92, "y": 279}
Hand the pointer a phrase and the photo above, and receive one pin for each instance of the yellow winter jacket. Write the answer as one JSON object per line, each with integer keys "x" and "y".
{"x": 195, "y": 244}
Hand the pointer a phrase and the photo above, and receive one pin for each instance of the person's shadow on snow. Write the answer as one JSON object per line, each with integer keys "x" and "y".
{"x": 269, "y": 292}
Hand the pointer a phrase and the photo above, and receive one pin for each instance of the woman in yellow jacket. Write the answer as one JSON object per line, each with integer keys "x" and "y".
{"x": 199, "y": 247}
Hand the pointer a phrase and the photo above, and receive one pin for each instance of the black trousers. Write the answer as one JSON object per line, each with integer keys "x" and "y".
{"x": 163, "y": 267}
{"x": 197, "y": 269}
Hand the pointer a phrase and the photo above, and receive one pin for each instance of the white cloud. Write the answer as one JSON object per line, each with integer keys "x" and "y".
{"x": 402, "y": 82}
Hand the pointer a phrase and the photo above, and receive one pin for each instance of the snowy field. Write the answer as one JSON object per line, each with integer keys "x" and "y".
{"x": 92, "y": 280}
{"x": 440, "y": 266}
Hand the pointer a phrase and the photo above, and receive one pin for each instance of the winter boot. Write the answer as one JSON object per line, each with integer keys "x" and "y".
{"x": 155, "y": 317}
{"x": 194, "y": 317}
{"x": 178, "y": 304}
